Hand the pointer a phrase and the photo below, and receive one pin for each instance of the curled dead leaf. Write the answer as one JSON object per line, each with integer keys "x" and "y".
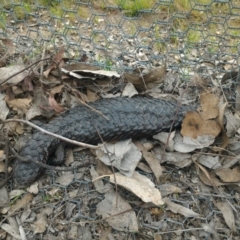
{"x": 229, "y": 175}
{"x": 209, "y": 103}
{"x": 194, "y": 125}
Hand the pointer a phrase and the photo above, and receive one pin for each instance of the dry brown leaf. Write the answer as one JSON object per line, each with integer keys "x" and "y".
{"x": 209, "y": 161}
{"x": 57, "y": 89}
{"x": 69, "y": 157}
{"x": 125, "y": 219}
{"x": 16, "y": 193}
{"x": 98, "y": 184}
{"x": 11, "y": 230}
{"x": 156, "y": 75}
{"x": 224, "y": 135}
{"x": 65, "y": 179}
{"x": 105, "y": 73}
{"x": 57, "y": 59}
{"x": 73, "y": 232}
{"x": 152, "y": 161}
{"x": 41, "y": 224}
{"x": 6, "y": 72}
{"x": 123, "y": 155}
{"x": 129, "y": 90}
{"x": 19, "y": 128}
{"x": 21, "y": 203}
{"x": 21, "y": 105}
{"x": 209, "y": 179}
{"x": 27, "y": 84}
{"x": 9, "y": 44}
{"x": 54, "y": 105}
{"x": 209, "y": 103}
{"x": 198, "y": 81}
{"x": 92, "y": 96}
{"x": 75, "y": 67}
{"x": 140, "y": 185}
{"x": 3, "y": 107}
{"x": 39, "y": 105}
{"x": 193, "y": 126}
{"x": 176, "y": 208}
{"x": 167, "y": 189}
{"x": 2, "y": 155}
{"x": 178, "y": 159}
{"x": 102, "y": 169}
{"x": 33, "y": 188}
{"x": 229, "y": 175}
{"x": 4, "y": 198}
{"x": 166, "y": 138}
{"x": 188, "y": 144}
{"x": 144, "y": 167}
{"x": 227, "y": 212}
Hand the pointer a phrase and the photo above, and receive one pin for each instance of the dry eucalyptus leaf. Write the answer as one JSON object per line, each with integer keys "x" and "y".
{"x": 140, "y": 185}
{"x": 11, "y": 230}
{"x": 129, "y": 90}
{"x": 102, "y": 73}
{"x": 2, "y": 155}
{"x": 228, "y": 175}
{"x": 57, "y": 89}
{"x": 53, "y": 191}
{"x": 21, "y": 105}
{"x": 16, "y": 193}
{"x": 176, "y": 208}
{"x": 98, "y": 184}
{"x": 55, "y": 105}
{"x": 102, "y": 169}
{"x": 125, "y": 219}
{"x": 209, "y": 179}
{"x": 92, "y": 96}
{"x": 65, "y": 179}
{"x": 69, "y": 157}
{"x": 123, "y": 155}
{"x": 39, "y": 105}
{"x": 21, "y": 203}
{"x": 144, "y": 167}
{"x": 233, "y": 123}
{"x": 57, "y": 59}
{"x": 152, "y": 161}
{"x": 3, "y": 107}
{"x": 6, "y": 72}
{"x": 193, "y": 126}
{"x": 69, "y": 209}
{"x": 4, "y": 198}
{"x": 209, "y": 161}
{"x": 167, "y": 189}
{"x": 188, "y": 144}
{"x": 178, "y": 159}
{"x": 227, "y": 212}
{"x": 73, "y": 232}
{"x": 33, "y": 188}
{"x": 166, "y": 139}
{"x": 25, "y": 215}
{"x": 41, "y": 224}
{"x": 209, "y": 105}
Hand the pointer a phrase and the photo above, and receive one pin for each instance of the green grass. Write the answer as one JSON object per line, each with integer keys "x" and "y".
{"x": 132, "y": 7}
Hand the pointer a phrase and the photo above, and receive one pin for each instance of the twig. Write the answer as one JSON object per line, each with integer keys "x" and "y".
{"x": 21, "y": 230}
{"x": 81, "y": 144}
{"x": 15, "y": 74}
{"x": 83, "y": 103}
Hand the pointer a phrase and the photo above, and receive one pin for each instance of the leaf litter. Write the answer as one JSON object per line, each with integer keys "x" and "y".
{"x": 144, "y": 170}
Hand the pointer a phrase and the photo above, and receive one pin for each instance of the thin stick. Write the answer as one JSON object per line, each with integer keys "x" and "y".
{"x": 81, "y": 144}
